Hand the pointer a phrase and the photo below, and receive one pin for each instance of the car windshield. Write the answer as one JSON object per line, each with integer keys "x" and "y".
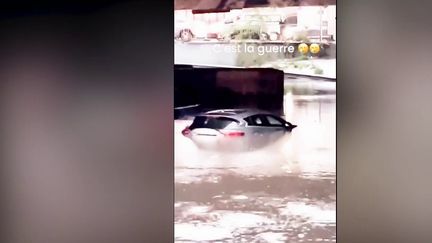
{"x": 212, "y": 122}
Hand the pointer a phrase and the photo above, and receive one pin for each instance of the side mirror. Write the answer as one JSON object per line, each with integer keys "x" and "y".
{"x": 290, "y": 126}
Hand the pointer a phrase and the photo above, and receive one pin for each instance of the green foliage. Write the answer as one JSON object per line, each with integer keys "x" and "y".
{"x": 318, "y": 70}
{"x": 245, "y": 34}
{"x": 303, "y": 57}
{"x": 249, "y": 29}
{"x": 301, "y": 36}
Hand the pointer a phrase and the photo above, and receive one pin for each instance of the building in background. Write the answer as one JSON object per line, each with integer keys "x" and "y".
{"x": 317, "y": 23}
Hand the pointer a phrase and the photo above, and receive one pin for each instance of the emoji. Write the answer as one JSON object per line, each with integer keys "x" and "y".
{"x": 303, "y": 48}
{"x": 314, "y": 48}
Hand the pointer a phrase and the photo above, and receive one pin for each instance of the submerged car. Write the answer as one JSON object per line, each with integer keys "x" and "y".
{"x": 236, "y": 129}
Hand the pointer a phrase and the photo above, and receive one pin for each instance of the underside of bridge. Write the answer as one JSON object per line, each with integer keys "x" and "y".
{"x": 233, "y": 4}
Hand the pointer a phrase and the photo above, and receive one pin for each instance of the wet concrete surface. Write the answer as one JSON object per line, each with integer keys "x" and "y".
{"x": 285, "y": 192}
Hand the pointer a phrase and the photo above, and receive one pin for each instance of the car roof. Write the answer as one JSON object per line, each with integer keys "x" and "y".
{"x": 235, "y": 113}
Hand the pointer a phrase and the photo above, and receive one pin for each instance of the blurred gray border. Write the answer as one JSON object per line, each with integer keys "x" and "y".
{"x": 384, "y": 151}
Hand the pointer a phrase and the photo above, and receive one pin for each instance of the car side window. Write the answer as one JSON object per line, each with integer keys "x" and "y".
{"x": 273, "y": 121}
{"x": 256, "y": 120}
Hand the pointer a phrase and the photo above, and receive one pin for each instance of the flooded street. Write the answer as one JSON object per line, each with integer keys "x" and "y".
{"x": 285, "y": 192}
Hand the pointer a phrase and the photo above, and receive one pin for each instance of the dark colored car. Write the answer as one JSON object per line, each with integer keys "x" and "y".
{"x": 236, "y": 129}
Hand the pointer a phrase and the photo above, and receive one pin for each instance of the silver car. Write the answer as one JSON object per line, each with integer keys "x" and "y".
{"x": 236, "y": 129}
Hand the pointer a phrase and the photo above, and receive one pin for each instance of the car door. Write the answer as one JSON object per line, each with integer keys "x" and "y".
{"x": 275, "y": 127}
{"x": 256, "y": 126}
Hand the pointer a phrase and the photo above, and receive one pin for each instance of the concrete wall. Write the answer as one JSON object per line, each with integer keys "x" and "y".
{"x": 244, "y": 54}
{"x": 224, "y": 88}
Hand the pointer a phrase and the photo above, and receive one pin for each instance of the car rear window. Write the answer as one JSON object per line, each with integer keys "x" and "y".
{"x": 213, "y": 122}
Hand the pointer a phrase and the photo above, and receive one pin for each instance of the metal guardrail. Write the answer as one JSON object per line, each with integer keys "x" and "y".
{"x": 310, "y": 76}
{"x": 186, "y": 107}
{"x": 286, "y": 75}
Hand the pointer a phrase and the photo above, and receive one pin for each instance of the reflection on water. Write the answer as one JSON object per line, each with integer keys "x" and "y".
{"x": 314, "y": 142}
